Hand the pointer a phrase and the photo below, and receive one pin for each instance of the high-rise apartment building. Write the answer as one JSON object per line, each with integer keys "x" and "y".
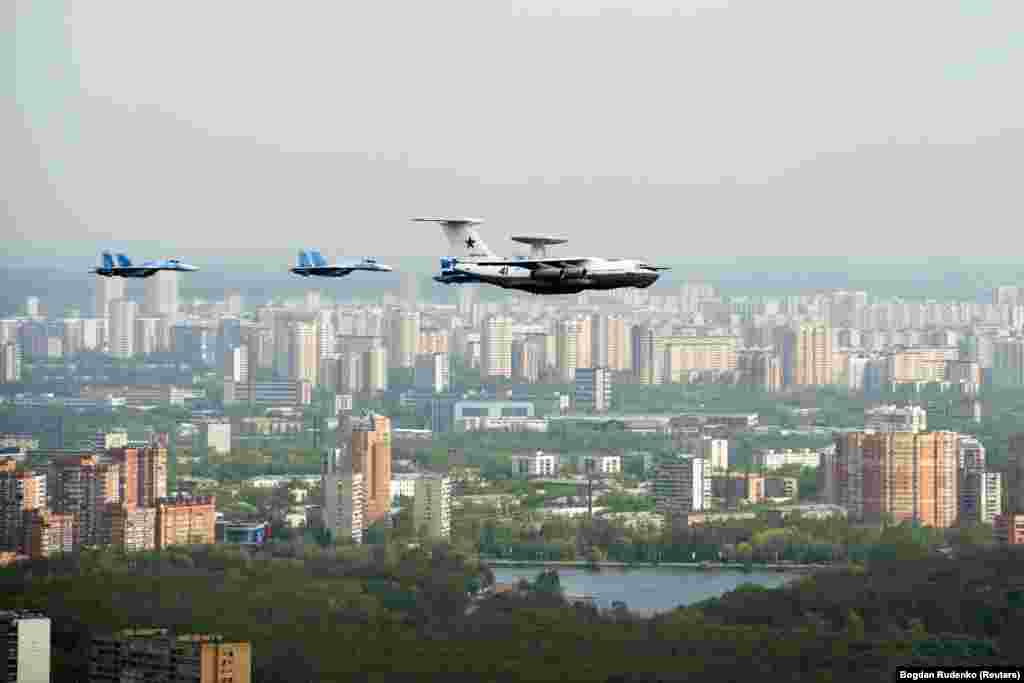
{"x": 432, "y": 506}
{"x": 807, "y": 355}
{"x": 760, "y": 369}
{"x": 405, "y": 337}
{"x": 648, "y": 354}
{"x": 83, "y": 486}
{"x": 566, "y": 349}
{"x": 600, "y": 343}
{"x": 161, "y": 293}
{"x": 375, "y": 370}
{"x": 371, "y": 457}
{"x": 344, "y": 494}
{"x": 919, "y": 364}
{"x": 185, "y": 521}
{"x": 409, "y": 290}
{"x": 715, "y": 452}
{"x": 121, "y": 340}
{"x": 432, "y": 373}
{"x": 234, "y": 301}
{"x": 496, "y": 347}
{"x": 108, "y": 289}
{"x": 24, "y": 647}
{"x": 147, "y": 335}
{"x": 584, "y": 343}
{"x": 49, "y": 533}
{"x": 1015, "y": 475}
{"x": 312, "y": 300}
{"x": 682, "y": 487}
{"x": 686, "y": 354}
{"x": 21, "y": 493}
{"x": 326, "y": 334}
{"x": 304, "y": 353}
{"x": 620, "y": 357}
{"x": 10, "y": 363}
{"x": 593, "y": 389}
{"x": 910, "y": 476}
{"x": 434, "y": 341}
{"x": 1008, "y": 362}
{"x": 129, "y": 529}
{"x": 236, "y": 365}
{"x": 981, "y": 496}
{"x": 527, "y": 359}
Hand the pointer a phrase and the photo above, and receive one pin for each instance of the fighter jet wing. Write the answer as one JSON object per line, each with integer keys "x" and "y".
{"x": 534, "y": 264}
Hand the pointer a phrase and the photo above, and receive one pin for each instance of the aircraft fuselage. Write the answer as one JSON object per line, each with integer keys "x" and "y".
{"x": 596, "y": 275}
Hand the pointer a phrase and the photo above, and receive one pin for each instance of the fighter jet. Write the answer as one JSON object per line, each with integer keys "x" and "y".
{"x": 538, "y": 273}
{"x": 123, "y": 267}
{"x": 312, "y": 263}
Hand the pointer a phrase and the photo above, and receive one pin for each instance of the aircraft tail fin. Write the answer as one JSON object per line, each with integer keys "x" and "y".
{"x": 304, "y": 261}
{"x": 123, "y": 261}
{"x": 107, "y": 260}
{"x": 463, "y": 238}
{"x": 318, "y": 260}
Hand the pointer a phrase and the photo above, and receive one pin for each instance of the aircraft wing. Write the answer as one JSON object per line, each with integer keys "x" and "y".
{"x": 534, "y": 264}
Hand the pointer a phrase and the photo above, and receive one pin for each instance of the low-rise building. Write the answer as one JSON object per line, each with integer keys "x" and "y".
{"x": 242, "y": 533}
{"x": 1008, "y": 528}
{"x": 770, "y": 460}
{"x": 781, "y": 487}
{"x": 599, "y": 463}
{"x": 149, "y": 654}
{"x": 539, "y": 464}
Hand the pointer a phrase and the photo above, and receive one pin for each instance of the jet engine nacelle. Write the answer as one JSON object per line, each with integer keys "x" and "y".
{"x": 555, "y": 274}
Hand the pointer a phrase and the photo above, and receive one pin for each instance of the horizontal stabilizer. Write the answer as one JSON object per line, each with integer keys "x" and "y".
{"x": 461, "y": 221}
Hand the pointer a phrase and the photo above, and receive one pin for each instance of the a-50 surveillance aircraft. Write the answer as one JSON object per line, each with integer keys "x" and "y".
{"x": 123, "y": 267}
{"x": 537, "y": 274}
{"x": 312, "y": 263}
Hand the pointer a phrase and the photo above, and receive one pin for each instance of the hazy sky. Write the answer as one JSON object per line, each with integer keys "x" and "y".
{"x": 669, "y": 131}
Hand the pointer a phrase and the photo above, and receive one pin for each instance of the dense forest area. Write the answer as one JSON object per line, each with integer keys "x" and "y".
{"x": 324, "y": 615}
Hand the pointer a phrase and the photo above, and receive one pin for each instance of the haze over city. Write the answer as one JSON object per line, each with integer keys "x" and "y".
{"x": 700, "y": 130}
{"x": 301, "y": 382}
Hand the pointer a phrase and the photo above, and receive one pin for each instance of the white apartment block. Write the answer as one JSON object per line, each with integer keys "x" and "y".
{"x": 432, "y": 506}
{"x": 770, "y": 460}
{"x": 896, "y": 419}
{"x": 404, "y": 484}
{"x": 217, "y": 437}
{"x": 501, "y": 424}
{"x": 599, "y": 463}
{"x": 25, "y": 656}
{"x": 539, "y": 464}
{"x": 351, "y": 507}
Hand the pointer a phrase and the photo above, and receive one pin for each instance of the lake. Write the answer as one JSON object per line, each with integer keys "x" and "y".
{"x": 648, "y": 589}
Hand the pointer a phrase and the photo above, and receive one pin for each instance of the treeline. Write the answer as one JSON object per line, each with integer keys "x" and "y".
{"x": 799, "y": 539}
{"x": 383, "y": 612}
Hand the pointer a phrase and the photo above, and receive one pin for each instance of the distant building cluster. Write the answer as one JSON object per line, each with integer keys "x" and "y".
{"x": 112, "y": 497}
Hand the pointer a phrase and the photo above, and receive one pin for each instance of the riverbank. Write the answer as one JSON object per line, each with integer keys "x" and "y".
{"x": 732, "y": 566}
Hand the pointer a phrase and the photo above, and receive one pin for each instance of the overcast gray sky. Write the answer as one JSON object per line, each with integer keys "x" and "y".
{"x": 668, "y": 131}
